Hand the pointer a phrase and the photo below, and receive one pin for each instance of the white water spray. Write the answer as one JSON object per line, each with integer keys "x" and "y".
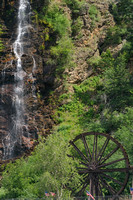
{"x": 20, "y": 48}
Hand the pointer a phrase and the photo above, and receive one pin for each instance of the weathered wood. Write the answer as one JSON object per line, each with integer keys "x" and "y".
{"x": 97, "y": 167}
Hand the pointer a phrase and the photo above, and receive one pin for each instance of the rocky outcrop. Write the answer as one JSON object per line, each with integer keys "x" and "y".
{"x": 88, "y": 40}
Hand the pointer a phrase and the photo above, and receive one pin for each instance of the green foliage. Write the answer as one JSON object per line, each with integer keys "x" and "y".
{"x": 3, "y": 192}
{"x": 47, "y": 169}
{"x": 57, "y": 19}
{"x": 93, "y": 12}
{"x": 125, "y": 133}
{"x": 1, "y": 43}
{"x": 75, "y": 5}
{"x": 123, "y": 11}
{"x": 120, "y": 124}
{"x": 128, "y": 49}
{"x": 37, "y": 5}
{"x": 104, "y": 62}
{"x": 117, "y": 84}
{"x": 1, "y": 46}
{"x": 116, "y": 34}
{"x": 112, "y": 121}
{"x": 1, "y": 31}
{"x": 94, "y": 61}
{"x": 85, "y": 90}
{"x": 94, "y": 15}
{"x": 77, "y": 26}
{"x": 57, "y": 30}
{"x": 123, "y": 16}
{"x": 64, "y": 96}
{"x": 61, "y": 53}
{"x": 78, "y": 114}
{"x": 81, "y": 98}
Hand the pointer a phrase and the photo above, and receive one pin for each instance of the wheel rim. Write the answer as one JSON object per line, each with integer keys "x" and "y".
{"x": 103, "y": 163}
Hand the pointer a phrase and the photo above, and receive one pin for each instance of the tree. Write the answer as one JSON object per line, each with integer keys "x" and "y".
{"x": 117, "y": 85}
{"x": 47, "y": 169}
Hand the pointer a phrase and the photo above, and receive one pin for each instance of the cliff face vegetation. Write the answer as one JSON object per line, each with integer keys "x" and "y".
{"x": 82, "y": 81}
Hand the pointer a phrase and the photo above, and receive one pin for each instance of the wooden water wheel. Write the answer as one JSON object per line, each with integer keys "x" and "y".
{"x": 102, "y": 163}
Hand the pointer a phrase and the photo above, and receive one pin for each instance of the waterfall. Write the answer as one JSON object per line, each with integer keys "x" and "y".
{"x": 33, "y": 79}
{"x": 20, "y": 47}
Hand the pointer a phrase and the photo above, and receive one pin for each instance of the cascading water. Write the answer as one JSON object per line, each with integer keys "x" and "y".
{"x": 20, "y": 48}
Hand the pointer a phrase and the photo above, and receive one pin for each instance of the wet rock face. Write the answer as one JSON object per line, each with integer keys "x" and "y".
{"x": 36, "y": 116}
{"x": 33, "y": 115}
{"x": 8, "y": 108}
{"x": 27, "y": 63}
{"x": 5, "y": 112}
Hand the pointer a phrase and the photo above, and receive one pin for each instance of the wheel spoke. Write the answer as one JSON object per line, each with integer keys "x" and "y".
{"x": 100, "y": 189}
{"x": 116, "y": 181}
{"x": 84, "y": 186}
{"x": 82, "y": 170}
{"x": 87, "y": 148}
{"x": 82, "y": 163}
{"x": 96, "y": 149}
{"x": 93, "y": 153}
{"x": 100, "y": 186}
{"x": 97, "y": 186}
{"x": 85, "y": 183}
{"x": 108, "y": 155}
{"x": 110, "y": 170}
{"x": 77, "y": 149}
{"x": 103, "y": 149}
{"x": 107, "y": 186}
{"x": 110, "y": 163}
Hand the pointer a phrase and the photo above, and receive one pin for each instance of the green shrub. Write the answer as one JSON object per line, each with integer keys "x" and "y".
{"x": 75, "y": 5}
{"x": 57, "y": 29}
{"x": 58, "y": 20}
{"x": 1, "y": 46}
{"x": 94, "y": 61}
{"x": 1, "y": 43}
{"x": 77, "y": 26}
{"x": 117, "y": 84}
{"x": 64, "y": 96}
{"x": 102, "y": 62}
{"x": 93, "y": 12}
{"x": 62, "y": 53}
{"x": 123, "y": 12}
{"x": 123, "y": 16}
{"x": 94, "y": 15}
{"x": 115, "y": 35}
{"x": 3, "y": 192}
{"x": 48, "y": 169}
{"x": 64, "y": 127}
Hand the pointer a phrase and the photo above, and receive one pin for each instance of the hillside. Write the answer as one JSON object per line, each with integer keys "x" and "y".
{"x": 78, "y": 78}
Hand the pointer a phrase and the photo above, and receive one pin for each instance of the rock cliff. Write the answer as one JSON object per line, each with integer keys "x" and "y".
{"x": 36, "y": 116}
{"x": 89, "y": 28}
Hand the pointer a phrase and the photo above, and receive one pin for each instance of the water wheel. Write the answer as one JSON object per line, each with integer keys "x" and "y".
{"x": 102, "y": 163}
